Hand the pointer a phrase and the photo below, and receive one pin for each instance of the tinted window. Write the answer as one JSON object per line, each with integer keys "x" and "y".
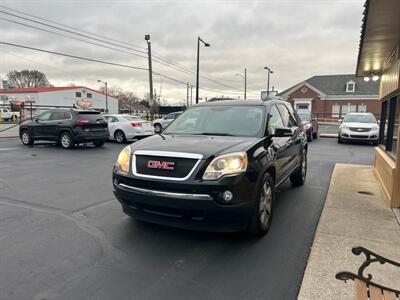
{"x": 274, "y": 119}
{"x": 92, "y": 116}
{"x": 57, "y": 115}
{"x": 287, "y": 118}
{"x": 45, "y": 116}
{"x": 219, "y": 120}
{"x": 67, "y": 115}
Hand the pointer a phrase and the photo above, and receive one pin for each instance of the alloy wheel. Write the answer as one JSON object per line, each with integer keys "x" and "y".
{"x": 25, "y": 137}
{"x": 65, "y": 141}
{"x": 265, "y": 204}
{"x": 119, "y": 137}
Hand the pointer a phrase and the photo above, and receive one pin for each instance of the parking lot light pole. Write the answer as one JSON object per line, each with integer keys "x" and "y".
{"x": 269, "y": 72}
{"x": 198, "y": 60}
{"x": 245, "y": 81}
{"x": 105, "y": 83}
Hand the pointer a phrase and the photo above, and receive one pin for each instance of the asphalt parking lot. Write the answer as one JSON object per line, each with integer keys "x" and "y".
{"x": 63, "y": 235}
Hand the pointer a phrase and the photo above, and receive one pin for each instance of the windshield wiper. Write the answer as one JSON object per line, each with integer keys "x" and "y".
{"x": 215, "y": 133}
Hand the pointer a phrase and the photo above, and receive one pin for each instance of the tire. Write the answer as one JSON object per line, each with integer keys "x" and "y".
{"x": 26, "y": 138}
{"x": 315, "y": 135}
{"x": 120, "y": 137}
{"x": 309, "y": 137}
{"x": 298, "y": 177}
{"x": 261, "y": 219}
{"x": 375, "y": 143}
{"x": 66, "y": 141}
{"x": 339, "y": 140}
{"x": 99, "y": 143}
{"x": 157, "y": 128}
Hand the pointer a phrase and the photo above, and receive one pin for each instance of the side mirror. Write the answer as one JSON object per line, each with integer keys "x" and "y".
{"x": 282, "y": 132}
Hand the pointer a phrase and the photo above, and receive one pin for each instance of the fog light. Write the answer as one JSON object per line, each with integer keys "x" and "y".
{"x": 227, "y": 196}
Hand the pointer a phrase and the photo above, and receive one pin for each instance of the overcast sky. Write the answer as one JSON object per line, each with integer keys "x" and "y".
{"x": 296, "y": 38}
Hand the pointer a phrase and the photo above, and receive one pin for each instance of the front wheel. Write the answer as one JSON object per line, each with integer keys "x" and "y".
{"x": 299, "y": 176}
{"x": 157, "y": 128}
{"x": 315, "y": 135}
{"x": 120, "y": 136}
{"x": 262, "y": 215}
{"x": 309, "y": 137}
{"x": 339, "y": 140}
{"x": 26, "y": 138}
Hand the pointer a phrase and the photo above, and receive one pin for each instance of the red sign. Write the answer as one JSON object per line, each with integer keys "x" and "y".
{"x": 162, "y": 165}
{"x": 84, "y": 103}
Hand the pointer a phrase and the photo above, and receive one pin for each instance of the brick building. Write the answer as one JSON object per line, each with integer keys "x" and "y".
{"x": 333, "y": 96}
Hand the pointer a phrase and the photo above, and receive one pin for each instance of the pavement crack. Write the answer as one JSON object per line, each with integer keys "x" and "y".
{"x": 97, "y": 204}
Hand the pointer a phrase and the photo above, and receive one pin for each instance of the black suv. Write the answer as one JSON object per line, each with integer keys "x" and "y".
{"x": 215, "y": 168}
{"x": 66, "y": 127}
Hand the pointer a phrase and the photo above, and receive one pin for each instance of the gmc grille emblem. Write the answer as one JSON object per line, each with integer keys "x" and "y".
{"x": 162, "y": 165}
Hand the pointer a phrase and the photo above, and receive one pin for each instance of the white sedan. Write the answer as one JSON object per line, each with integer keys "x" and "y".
{"x": 127, "y": 127}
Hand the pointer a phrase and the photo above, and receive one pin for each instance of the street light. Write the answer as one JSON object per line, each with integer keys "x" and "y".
{"x": 245, "y": 81}
{"x": 269, "y": 72}
{"x": 198, "y": 58}
{"x": 105, "y": 83}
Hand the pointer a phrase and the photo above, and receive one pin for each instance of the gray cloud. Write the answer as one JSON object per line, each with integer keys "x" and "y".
{"x": 297, "y": 38}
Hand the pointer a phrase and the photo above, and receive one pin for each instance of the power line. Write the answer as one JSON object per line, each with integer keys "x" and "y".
{"x": 70, "y": 27}
{"x": 71, "y": 37}
{"x": 107, "y": 63}
{"x": 166, "y": 61}
{"x": 75, "y": 56}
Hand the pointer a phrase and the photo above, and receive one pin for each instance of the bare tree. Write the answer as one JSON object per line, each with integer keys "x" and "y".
{"x": 27, "y": 79}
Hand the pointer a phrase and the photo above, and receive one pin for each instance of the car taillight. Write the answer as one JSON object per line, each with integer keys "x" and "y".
{"x": 82, "y": 121}
{"x": 136, "y": 124}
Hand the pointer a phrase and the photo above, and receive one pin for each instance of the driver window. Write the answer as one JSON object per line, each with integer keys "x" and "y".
{"x": 288, "y": 120}
{"x": 274, "y": 120}
{"x": 45, "y": 116}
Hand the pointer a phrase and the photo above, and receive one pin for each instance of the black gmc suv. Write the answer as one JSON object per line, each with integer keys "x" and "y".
{"x": 215, "y": 168}
{"x": 67, "y": 127}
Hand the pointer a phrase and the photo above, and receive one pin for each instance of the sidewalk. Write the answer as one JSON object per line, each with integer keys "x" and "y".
{"x": 9, "y": 131}
{"x": 351, "y": 219}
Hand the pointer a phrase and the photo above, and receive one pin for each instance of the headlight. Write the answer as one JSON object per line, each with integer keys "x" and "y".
{"x": 124, "y": 158}
{"x": 345, "y": 127}
{"x": 227, "y": 164}
{"x": 375, "y": 128}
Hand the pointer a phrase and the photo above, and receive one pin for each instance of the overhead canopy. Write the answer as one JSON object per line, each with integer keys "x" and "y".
{"x": 380, "y": 35}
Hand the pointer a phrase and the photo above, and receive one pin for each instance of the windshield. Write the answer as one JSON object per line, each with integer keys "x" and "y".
{"x": 359, "y": 119}
{"x": 219, "y": 120}
{"x": 305, "y": 117}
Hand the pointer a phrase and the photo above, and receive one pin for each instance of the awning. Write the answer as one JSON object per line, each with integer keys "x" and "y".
{"x": 380, "y": 35}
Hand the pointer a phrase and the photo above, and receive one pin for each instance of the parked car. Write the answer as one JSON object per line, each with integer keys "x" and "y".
{"x": 310, "y": 126}
{"x": 216, "y": 167}
{"x": 359, "y": 127}
{"x": 160, "y": 124}
{"x": 126, "y": 127}
{"x": 5, "y": 114}
{"x": 66, "y": 127}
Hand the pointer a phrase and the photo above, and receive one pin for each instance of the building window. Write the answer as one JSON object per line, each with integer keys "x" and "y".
{"x": 352, "y": 108}
{"x": 362, "y": 108}
{"x": 89, "y": 95}
{"x": 345, "y": 110}
{"x": 389, "y": 126}
{"x": 78, "y": 94}
{"x": 350, "y": 87}
{"x": 335, "y": 111}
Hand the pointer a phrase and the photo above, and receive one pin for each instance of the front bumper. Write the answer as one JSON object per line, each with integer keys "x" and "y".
{"x": 188, "y": 205}
{"x": 371, "y": 136}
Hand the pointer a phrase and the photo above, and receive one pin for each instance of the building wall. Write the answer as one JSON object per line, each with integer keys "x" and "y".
{"x": 323, "y": 107}
{"x": 66, "y": 98}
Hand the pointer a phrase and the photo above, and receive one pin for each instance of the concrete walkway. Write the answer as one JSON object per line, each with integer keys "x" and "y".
{"x": 351, "y": 219}
{"x": 9, "y": 131}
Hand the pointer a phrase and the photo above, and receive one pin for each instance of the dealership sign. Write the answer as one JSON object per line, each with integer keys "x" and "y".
{"x": 84, "y": 103}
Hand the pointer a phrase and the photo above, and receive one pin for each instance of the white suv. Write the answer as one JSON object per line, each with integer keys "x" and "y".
{"x": 359, "y": 127}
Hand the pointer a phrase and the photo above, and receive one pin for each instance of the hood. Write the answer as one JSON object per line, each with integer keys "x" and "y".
{"x": 359, "y": 125}
{"x": 198, "y": 144}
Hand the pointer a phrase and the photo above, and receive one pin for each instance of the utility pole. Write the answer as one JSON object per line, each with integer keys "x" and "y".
{"x": 191, "y": 95}
{"x": 269, "y": 72}
{"x": 187, "y": 95}
{"x": 245, "y": 83}
{"x": 106, "y": 92}
{"x": 198, "y": 62}
{"x": 151, "y": 102}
